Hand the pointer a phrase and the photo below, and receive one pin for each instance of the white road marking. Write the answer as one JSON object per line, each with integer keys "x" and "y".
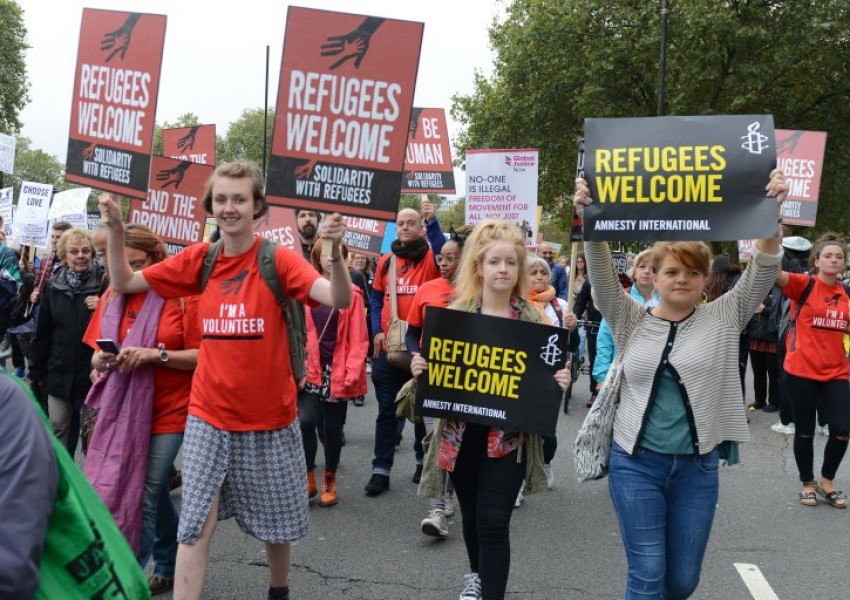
{"x": 755, "y": 582}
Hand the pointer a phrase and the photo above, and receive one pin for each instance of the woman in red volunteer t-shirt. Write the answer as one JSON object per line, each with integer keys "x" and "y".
{"x": 242, "y": 455}
{"x": 817, "y": 368}
{"x": 173, "y": 353}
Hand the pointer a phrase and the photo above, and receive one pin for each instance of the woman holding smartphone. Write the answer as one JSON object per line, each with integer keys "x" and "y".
{"x": 159, "y": 341}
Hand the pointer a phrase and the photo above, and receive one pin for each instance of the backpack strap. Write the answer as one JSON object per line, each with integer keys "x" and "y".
{"x": 209, "y": 262}
{"x": 793, "y": 322}
{"x": 268, "y": 270}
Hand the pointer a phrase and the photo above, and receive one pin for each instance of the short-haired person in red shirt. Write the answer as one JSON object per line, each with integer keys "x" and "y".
{"x": 415, "y": 265}
{"x": 816, "y": 367}
{"x": 243, "y": 454}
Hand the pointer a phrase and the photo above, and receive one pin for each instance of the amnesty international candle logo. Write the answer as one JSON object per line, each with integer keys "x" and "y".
{"x": 754, "y": 142}
{"x": 551, "y": 354}
{"x": 491, "y": 370}
{"x": 679, "y": 178}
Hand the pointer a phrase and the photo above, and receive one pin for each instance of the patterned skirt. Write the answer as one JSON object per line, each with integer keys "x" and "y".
{"x": 260, "y": 476}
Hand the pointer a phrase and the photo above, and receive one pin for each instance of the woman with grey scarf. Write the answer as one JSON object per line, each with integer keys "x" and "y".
{"x": 60, "y": 362}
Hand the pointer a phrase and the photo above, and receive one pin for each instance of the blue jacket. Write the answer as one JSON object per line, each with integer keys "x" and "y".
{"x": 605, "y": 350}
{"x": 558, "y": 279}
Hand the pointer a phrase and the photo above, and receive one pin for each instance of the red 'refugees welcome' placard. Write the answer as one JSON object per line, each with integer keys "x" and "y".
{"x": 343, "y": 109}
{"x": 114, "y": 101}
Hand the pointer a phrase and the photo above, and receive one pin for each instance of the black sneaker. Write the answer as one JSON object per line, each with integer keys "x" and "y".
{"x": 771, "y": 408}
{"x": 377, "y": 484}
{"x": 279, "y": 593}
{"x": 417, "y": 474}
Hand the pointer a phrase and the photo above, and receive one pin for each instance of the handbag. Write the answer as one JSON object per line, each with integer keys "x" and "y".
{"x": 592, "y": 447}
{"x": 397, "y": 353}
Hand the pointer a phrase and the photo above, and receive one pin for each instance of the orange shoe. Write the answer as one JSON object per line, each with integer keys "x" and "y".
{"x": 329, "y": 496}
{"x": 312, "y": 490}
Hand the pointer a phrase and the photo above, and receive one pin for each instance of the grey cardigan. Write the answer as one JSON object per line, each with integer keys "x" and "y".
{"x": 701, "y": 350}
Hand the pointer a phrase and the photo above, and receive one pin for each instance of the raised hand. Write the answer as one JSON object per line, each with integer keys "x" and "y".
{"x": 333, "y": 228}
{"x": 110, "y": 210}
{"x": 88, "y": 151}
{"x": 352, "y": 45}
{"x": 120, "y": 38}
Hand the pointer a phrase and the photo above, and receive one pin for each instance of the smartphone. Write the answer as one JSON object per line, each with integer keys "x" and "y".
{"x": 108, "y": 346}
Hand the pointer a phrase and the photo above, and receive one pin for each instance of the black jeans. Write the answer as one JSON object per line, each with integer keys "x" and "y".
{"x": 743, "y": 355}
{"x": 831, "y": 399}
{"x": 591, "y": 354}
{"x": 309, "y": 406}
{"x": 486, "y": 489}
{"x": 765, "y": 375}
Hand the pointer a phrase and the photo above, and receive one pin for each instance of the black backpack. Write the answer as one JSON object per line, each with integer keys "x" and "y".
{"x": 293, "y": 311}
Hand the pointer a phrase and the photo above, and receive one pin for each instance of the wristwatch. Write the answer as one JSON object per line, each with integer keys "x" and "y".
{"x": 163, "y": 355}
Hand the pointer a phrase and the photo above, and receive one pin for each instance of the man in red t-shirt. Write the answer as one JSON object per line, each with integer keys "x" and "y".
{"x": 415, "y": 265}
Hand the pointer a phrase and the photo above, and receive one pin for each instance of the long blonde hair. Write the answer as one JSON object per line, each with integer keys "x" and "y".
{"x": 469, "y": 281}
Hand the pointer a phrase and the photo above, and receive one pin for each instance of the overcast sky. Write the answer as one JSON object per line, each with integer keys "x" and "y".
{"x": 214, "y": 61}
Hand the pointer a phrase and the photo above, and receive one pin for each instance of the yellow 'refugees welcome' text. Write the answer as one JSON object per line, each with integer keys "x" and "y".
{"x": 460, "y": 365}
{"x": 667, "y": 174}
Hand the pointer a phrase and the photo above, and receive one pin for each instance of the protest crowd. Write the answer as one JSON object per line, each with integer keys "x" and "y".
{"x": 223, "y": 365}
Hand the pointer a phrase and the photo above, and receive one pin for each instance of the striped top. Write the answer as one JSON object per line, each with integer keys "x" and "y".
{"x": 702, "y": 350}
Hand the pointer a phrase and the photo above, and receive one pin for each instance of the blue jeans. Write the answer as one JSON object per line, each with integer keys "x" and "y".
{"x": 665, "y": 505}
{"x": 388, "y": 381}
{"x": 159, "y": 516}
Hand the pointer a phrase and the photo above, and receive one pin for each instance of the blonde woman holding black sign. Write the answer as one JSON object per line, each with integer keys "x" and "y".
{"x": 487, "y": 465}
{"x": 680, "y": 408}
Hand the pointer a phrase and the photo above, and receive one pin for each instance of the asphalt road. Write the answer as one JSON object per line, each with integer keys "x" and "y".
{"x": 565, "y": 542}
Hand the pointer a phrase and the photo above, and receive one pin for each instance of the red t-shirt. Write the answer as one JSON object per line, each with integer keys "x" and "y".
{"x": 244, "y": 379}
{"x": 437, "y": 292}
{"x": 178, "y": 329}
{"x": 821, "y": 326}
{"x": 408, "y": 279}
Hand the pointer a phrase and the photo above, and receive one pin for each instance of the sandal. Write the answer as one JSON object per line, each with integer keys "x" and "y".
{"x": 837, "y": 499}
{"x": 807, "y": 496}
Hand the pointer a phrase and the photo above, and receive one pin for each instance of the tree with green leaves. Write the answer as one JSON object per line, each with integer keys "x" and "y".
{"x": 244, "y": 138}
{"x": 557, "y": 63}
{"x": 14, "y": 83}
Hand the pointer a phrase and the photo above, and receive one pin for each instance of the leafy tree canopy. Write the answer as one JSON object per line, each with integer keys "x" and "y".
{"x": 558, "y": 62}
{"x": 14, "y": 83}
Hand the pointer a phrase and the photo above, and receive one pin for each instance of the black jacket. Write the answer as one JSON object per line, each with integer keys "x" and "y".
{"x": 59, "y": 360}
{"x": 584, "y": 305}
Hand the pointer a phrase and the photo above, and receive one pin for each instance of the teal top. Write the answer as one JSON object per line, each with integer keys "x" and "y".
{"x": 667, "y": 430}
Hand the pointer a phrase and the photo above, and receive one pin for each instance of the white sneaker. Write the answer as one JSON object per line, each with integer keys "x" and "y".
{"x": 435, "y": 524}
{"x": 472, "y": 589}
{"x": 449, "y": 504}
{"x": 550, "y": 475}
{"x": 824, "y": 430}
{"x": 520, "y": 496}
{"x": 786, "y": 429}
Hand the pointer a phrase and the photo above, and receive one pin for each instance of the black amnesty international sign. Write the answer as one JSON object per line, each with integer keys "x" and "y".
{"x": 679, "y": 178}
{"x": 491, "y": 371}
